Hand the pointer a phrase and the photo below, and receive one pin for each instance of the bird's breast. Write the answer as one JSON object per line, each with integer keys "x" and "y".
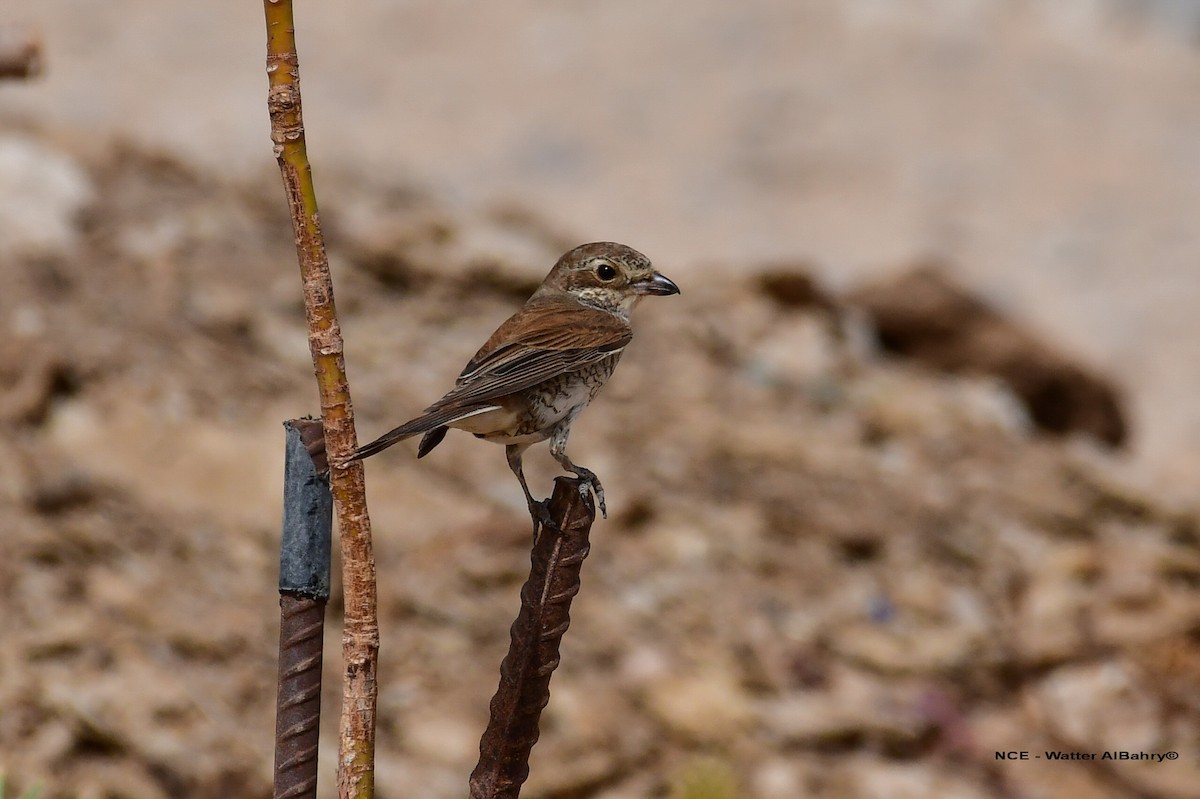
{"x": 552, "y": 401}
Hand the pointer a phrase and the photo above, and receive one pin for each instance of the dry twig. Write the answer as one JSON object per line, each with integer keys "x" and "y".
{"x": 360, "y": 637}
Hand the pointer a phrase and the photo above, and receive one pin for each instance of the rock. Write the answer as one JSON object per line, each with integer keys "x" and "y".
{"x": 793, "y": 287}
{"x": 796, "y": 351}
{"x": 880, "y": 779}
{"x": 899, "y": 648}
{"x": 407, "y": 243}
{"x": 399, "y": 240}
{"x": 854, "y": 710}
{"x": 921, "y": 315}
{"x": 32, "y": 376}
{"x": 709, "y": 706}
{"x": 1049, "y": 628}
{"x": 1172, "y": 666}
{"x": 638, "y": 786}
{"x": 42, "y": 194}
{"x": 1099, "y": 707}
{"x": 780, "y": 778}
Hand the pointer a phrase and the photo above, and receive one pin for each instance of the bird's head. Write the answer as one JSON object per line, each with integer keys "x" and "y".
{"x": 608, "y": 276}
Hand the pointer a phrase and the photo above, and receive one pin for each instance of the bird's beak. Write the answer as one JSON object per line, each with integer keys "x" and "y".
{"x": 656, "y": 284}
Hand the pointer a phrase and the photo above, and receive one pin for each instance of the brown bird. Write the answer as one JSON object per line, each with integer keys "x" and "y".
{"x": 544, "y": 365}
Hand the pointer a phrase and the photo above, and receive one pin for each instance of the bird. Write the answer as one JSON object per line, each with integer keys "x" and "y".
{"x": 544, "y": 365}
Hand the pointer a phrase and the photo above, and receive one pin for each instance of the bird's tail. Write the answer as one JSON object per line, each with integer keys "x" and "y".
{"x": 432, "y": 424}
{"x": 383, "y": 442}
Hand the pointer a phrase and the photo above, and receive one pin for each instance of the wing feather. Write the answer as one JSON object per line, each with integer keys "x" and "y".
{"x": 546, "y": 338}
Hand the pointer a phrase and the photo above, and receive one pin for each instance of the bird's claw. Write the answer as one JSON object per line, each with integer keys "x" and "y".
{"x": 539, "y": 512}
{"x": 590, "y": 482}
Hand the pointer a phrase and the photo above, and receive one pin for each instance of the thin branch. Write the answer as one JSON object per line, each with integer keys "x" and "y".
{"x": 360, "y": 637}
{"x": 524, "y": 689}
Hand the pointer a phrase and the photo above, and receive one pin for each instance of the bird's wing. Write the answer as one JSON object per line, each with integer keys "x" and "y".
{"x": 544, "y": 339}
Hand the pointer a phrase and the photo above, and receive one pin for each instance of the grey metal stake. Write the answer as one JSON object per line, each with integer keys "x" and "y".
{"x": 303, "y": 592}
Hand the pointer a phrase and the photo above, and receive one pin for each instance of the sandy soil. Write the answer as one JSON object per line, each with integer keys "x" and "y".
{"x": 839, "y": 564}
{"x": 827, "y": 572}
{"x": 1045, "y": 151}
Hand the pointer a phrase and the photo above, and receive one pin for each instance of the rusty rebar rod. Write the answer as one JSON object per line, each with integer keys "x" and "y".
{"x": 524, "y": 689}
{"x": 303, "y": 593}
{"x": 298, "y": 703}
{"x": 360, "y": 631}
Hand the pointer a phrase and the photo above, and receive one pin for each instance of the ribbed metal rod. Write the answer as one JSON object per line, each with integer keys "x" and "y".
{"x": 532, "y": 657}
{"x": 303, "y": 593}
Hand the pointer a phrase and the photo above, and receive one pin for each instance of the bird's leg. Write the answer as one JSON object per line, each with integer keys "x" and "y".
{"x": 538, "y": 511}
{"x": 558, "y": 448}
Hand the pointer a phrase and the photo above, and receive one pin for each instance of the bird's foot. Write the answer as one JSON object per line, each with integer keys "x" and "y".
{"x": 539, "y": 512}
{"x": 590, "y": 482}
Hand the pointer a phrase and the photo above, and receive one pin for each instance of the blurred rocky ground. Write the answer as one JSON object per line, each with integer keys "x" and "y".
{"x": 837, "y": 566}
{"x": 903, "y": 478}
{"x": 1044, "y": 151}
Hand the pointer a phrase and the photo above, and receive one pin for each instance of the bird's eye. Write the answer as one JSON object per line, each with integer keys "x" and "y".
{"x": 605, "y": 272}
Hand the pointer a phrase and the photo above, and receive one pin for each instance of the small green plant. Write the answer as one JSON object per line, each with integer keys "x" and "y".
{"x": 32, "y": 793}
{"x": 705, "y": 778}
